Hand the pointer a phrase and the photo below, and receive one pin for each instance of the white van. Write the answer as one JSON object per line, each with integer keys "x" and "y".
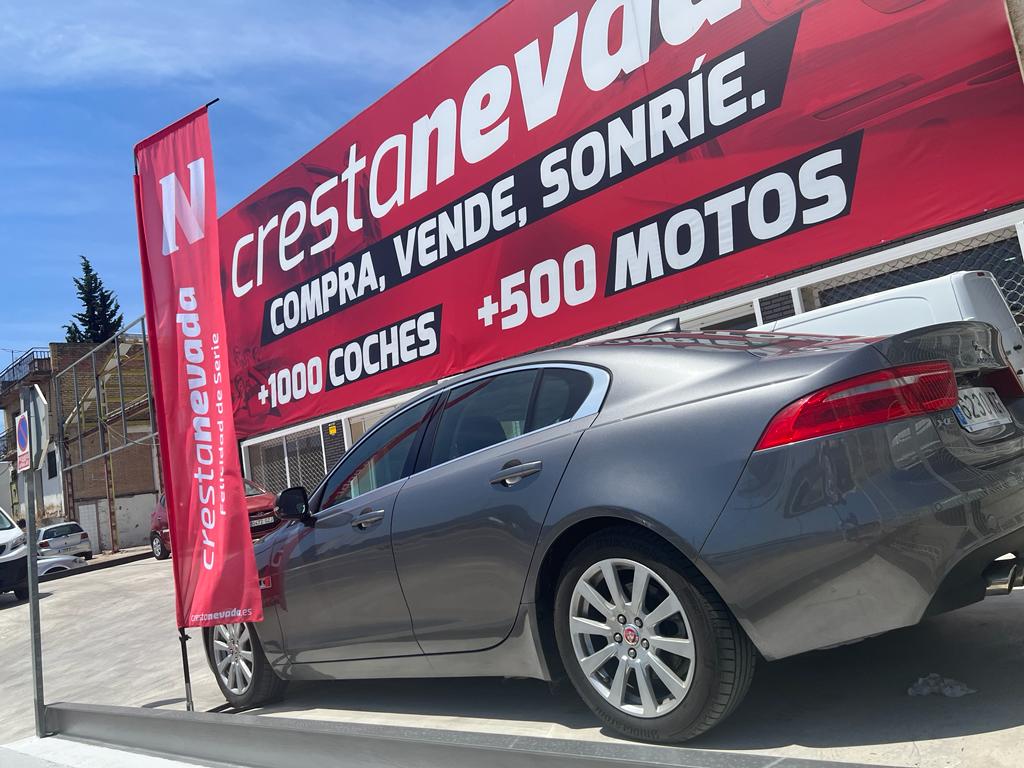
{"x": 959, "y": 296}
{"x": 13, "y": 558}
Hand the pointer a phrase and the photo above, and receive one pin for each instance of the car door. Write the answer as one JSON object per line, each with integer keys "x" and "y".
{"x": 341, "y": 596}
{"x": 467, "y": 523}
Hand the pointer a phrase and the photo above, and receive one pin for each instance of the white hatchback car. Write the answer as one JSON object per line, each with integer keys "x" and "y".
{"x": 64, "y": 539}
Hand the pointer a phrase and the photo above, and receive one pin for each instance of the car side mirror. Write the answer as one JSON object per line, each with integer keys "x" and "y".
{"x": 293, "y": 504}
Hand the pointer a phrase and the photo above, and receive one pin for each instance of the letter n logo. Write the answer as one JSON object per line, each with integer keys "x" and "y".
{"x": 189, "y": 212}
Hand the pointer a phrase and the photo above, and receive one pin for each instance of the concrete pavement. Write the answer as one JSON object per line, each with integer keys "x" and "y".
{"x": 109, "y": 638}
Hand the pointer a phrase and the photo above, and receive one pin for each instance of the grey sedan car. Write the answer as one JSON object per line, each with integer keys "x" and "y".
{"x": 648, "y": 516}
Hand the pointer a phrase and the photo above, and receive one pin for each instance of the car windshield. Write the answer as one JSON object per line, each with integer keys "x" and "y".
{"x": 251, "y": 489}
{"x": 5, "y": 522}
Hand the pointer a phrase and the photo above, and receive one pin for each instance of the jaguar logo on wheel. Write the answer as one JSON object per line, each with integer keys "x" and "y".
{"x": 630, "y": 635}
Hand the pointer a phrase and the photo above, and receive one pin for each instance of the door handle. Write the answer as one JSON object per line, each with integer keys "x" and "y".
{"x": 366, "y": 518}
{"x": 515, "y": 471}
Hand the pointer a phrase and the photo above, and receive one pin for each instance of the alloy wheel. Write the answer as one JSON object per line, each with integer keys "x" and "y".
{"x": 233, "y": 656}
{"x": 158, "y": 546}
{"x": 631, "y": 637}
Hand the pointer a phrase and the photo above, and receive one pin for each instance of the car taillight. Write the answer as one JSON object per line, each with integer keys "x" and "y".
{"x": 85, "y": 536}
{"x": 44, "y": 545}
{"x": 874, "y": 398}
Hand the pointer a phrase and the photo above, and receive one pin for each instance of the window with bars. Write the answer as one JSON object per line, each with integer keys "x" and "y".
{"x": 299, "y": 458}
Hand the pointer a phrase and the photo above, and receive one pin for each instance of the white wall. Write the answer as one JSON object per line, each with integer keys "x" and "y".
{"x": 133, "y": 514}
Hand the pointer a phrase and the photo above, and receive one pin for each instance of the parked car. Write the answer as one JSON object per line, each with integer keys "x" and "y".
{"x": 13, "y": 558}
{"x": 649, "y": 514}
{"x": 59, "y": 563}
{"x": 971, "y": 295}
{"x": 259, "y": 502}
{"x": 64, "y": 538}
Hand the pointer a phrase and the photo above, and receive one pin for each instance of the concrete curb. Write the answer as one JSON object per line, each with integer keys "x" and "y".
{"x": 271, "y": 742}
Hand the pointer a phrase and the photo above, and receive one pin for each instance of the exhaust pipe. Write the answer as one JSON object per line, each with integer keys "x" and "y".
{"x": 1002, "y": 576}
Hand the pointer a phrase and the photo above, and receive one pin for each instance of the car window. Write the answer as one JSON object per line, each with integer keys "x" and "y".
{"x": 483, "y": 413}
{"x": 378, "y": 460}
{"x": 54, "y": 531}
{"x": 560, "y": 394}
{"x": 5, "y": 522}
{"x": 74, "y": 528}
{"x": 251, "y": 489}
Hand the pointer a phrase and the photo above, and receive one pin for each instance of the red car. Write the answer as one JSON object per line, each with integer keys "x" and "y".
{"x": 258, "y": 501}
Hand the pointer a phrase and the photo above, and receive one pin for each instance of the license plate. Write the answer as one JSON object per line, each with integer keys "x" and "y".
{"x": 256, "y": 522}
{"x": 980, "y": 408}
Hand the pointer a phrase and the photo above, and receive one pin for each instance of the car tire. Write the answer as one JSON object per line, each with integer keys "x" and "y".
{"x": 263, "y": 686}
{"x": 87, "y": 556}
{"x": 160, "y": 552}
{"x": 682, "y": 696}
{"x": 21, "y": 593}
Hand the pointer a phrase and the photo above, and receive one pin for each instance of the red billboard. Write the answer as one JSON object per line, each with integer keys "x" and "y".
{"x": 215, "y": 579}
{"x": 570, "y": 165}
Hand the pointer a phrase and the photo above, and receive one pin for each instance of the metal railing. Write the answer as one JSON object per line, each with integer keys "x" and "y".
{"x": 33, "y": 361}
{"x": 7, "y": 443}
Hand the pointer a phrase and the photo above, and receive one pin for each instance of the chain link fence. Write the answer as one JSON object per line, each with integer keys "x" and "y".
{"x": 996, "y": 252}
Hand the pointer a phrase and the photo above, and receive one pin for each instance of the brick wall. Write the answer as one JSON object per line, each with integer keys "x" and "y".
{"x": 131, "y": 465}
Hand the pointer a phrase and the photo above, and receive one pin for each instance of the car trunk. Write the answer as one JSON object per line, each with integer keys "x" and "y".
{"x": 986, "y": 426}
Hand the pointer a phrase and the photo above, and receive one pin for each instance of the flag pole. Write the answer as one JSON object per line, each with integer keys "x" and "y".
{"x": 184, "y": 638}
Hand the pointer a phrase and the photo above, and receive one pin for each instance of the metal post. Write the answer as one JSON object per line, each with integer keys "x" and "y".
{"x": 108, "y": 480}
{"x": 120, "y": 389}
{"x": 155, "y": 444}
{"x": 189, "y": 705}
{"x": 33, "y": 584}
{"x": 67, "y": 492}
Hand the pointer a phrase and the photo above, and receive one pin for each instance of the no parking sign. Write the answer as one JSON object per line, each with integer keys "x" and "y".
{"x": 21, "y": 430}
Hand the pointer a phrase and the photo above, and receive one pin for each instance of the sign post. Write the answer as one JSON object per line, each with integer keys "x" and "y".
{"x": 32, "y": 447}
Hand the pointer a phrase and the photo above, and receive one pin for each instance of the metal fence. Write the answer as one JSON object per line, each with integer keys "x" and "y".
{"x": 35, "y": 360}
{"x": 107, "y": 437}
{"x": 998, "y": 252}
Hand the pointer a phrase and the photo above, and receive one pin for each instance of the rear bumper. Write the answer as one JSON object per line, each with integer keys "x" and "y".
{"x": 13, "y": 573}
{"x": 837, "y": 539}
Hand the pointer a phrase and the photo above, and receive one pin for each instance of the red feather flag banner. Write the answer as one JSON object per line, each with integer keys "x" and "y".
{"x": 215, "y": 575}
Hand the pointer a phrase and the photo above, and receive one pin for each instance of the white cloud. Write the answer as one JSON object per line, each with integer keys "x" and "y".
{"x": 72, "y": 42}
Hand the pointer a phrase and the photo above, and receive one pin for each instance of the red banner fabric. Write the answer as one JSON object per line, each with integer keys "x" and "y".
{"x": 214, "y": 568}
{"x": 572, "y": 165}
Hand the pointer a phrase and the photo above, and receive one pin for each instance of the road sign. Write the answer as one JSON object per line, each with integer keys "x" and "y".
{"x": 33, "y": 402}
{"x": 21, "y": 430}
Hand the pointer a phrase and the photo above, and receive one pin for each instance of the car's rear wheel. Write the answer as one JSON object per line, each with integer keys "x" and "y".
{"x": 243, "y": 673}
{"x": 645, "y": 639}
{"x": 160, "y": 552}
{"x": 21, "y": 593}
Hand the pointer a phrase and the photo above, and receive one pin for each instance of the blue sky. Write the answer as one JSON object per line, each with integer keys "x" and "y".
{"x": 82, "y": 81}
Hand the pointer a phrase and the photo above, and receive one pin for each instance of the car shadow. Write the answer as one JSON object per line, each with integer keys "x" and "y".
{"x": 8, "y": 600}
{"x": 857, "y": 695}
{"x": 854, "y": 695}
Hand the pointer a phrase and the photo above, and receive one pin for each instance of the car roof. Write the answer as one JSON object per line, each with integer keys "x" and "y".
{"x": 605, "y": 352}
{"x": 57, "y": 524}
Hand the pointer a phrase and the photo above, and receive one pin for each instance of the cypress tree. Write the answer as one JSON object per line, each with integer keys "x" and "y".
{"x": 101, "y": 316}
